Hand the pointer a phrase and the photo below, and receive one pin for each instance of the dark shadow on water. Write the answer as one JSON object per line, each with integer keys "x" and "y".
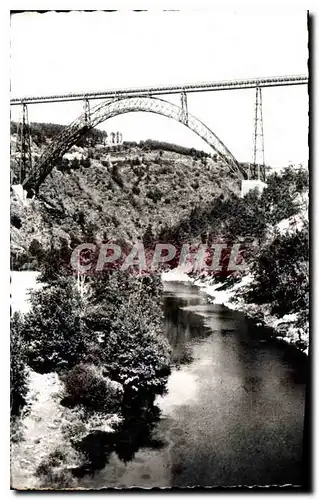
{"x": 134, "y": 433}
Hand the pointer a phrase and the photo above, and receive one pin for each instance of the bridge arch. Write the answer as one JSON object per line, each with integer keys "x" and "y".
{"x": 109, "y": 109}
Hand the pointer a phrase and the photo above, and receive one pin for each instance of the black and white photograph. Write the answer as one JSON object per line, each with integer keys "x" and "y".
{"x": 159, "y": 249}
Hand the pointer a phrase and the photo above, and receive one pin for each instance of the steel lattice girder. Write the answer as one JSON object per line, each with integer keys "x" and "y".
{"x": 111, "y": 108}
{"x": 272, "y": 81}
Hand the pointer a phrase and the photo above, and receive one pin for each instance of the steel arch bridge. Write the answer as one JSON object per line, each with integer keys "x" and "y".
{"x": 110, "y": 108}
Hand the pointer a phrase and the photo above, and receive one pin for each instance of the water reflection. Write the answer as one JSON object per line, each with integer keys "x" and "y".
{"x": 182, "y": 326}
{"x": 133, "y": 433}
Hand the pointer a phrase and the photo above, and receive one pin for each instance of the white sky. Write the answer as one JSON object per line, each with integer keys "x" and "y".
{"x": 84, "y": 51}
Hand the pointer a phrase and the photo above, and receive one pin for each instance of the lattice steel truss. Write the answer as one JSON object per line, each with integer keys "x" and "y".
{"x": 87, "y": 111}
{"x": 183, "y": 118}
{"x": 258, "y": 149}
{"x": 24, "y": 143}
{"x": 118, "y": 106}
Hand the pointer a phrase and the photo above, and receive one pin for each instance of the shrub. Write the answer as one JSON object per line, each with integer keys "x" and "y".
{"x": 53, "y": 477}
{"x": 36, "y": 250}
{"x": 155, "y": 195}
{"x": 136, "y": 161}
{"x": 16, "y": 221}
{"x": 86, "y": 162}
{"x": 53, "y": 330}
{"x": 75, "y": 164}
{"x": 85, "y": 384}
{"x": 282, "y": 274}
{"x": 136, "y": 190}
{"x": 116, "y": 176}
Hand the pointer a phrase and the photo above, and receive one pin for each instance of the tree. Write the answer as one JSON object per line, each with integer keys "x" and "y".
{"x": 85, "y": 162}
{"x": 133, "y": 351}
{"x": 75, "y": 164}
{"x": 148, "y": 236}
{"x": 279, "y": 199}
{"x": 282, "y": 273}
{"x": 53, "y": 330}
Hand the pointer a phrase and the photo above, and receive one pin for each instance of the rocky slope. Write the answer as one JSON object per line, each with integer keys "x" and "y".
{"x": 98, "y": 193}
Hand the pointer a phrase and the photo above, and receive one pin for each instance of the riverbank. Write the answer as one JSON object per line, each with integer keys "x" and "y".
{"x": 42, "y": 455}
{"x": 230, "y": 295}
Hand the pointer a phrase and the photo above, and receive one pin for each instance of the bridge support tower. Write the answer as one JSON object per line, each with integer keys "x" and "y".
{"x": 256, "y": 170}
{"x": 24, "y": 145}
{"x": 87, "y": 111}
{"x": 184, "y": 109}
{"x": 258, "y": 164}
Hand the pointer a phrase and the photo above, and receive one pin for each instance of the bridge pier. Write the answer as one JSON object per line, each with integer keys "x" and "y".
{"x": 184, "y": 109}
{"x": 24, "y": 142}
{"x": 87, "y": 111}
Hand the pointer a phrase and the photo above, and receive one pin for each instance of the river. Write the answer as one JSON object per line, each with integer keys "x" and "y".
{"x": 233, "y": 413}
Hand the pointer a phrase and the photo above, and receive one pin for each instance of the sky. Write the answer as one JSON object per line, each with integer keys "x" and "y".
{"x": 56, "y": 53}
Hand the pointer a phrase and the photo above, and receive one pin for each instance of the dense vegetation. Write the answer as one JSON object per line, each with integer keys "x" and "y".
{"x": 282, "y": 273}
{"x": 112, "y": 333}
{"x": 42, "y": 133}
{"x": 236, "y": 218}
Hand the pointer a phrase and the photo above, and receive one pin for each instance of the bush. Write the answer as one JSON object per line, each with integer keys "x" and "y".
{"x": 282, "y": 274}
{"x": 85, "y": 384}
{"x": 16, "y": 221}
{"x": 116, "y": 176}
{"x": 36, "y": 250}
{"x": 155, "y": 195}
{"x": 64, "y": 165}
{"x": 86, "y": 162}
{"x": 136, "y": 190}
{"x": 75, "y": 164}
{"x": 54, "y": 330}
{"x": 279, "y": 198}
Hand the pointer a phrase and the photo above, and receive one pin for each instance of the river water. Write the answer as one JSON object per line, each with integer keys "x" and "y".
{"x": 233, "y": 413}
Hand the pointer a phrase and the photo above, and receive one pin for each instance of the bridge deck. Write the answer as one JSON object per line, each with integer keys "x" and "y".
{"x": 172, "y": 89}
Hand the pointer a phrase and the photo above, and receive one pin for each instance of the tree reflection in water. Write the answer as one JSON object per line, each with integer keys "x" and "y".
{"x": 133, "y": 433}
